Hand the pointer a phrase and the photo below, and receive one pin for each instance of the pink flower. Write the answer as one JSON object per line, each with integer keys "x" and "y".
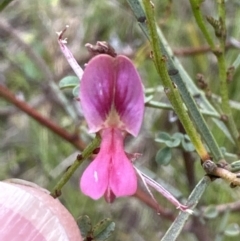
{"x": 112, "y": 99}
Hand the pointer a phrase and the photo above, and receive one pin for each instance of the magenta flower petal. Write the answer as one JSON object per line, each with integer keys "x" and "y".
{"x": 96, "y": 91}
{"x": 129, "y": 97}
{"x": 123, "y": 180}
{"x": 112, "y": 84}
{"x": 94, "y": 180}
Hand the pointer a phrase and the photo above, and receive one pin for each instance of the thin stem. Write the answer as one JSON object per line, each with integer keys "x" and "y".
{"x": 217, "y": 171}
{"x": 181, "y": 78}
{"x": 164, "y": 106}
{"x": 87, "y": 152}
{"x": 189, "y": 51}
{"x": 170, "y": 88}
{"x": 195, "y": 4}
{"x": 220, "y": 54}
{"x": 223, "y": 75}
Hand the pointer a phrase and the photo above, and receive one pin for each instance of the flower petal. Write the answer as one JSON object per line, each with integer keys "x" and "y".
{"x": 129, "y": 96}
{"x": 96, "y": 91}
{"x": 94, "y": 181}
{"x": 110, "y": 82}
{"x": 123, "y": 179}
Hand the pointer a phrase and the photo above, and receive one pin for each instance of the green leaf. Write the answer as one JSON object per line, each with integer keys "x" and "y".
{"x": 85, "y": 225}
{"x": 235, "y": 166}
{"x": 68, "y": 82}
{"x": 75, "y": 91}
{"x": 170, "y": 141}
{"x": 210, "y": 212}
{"x": 173, "y": 143}
{"x": 178, "y": 135}
{"x": 187, "y": 145}
{"x": 4, "y": 4}
{"x": 232, "y": 230}
{"x": 162, "y": 137}
{"x": 164, "y": 156}
{"x": 103, "y": 230}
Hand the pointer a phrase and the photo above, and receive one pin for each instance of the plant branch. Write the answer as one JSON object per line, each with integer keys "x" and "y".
{"x": 171, "y": 90}
{"x": 220, "y": 31}
{"x": 189, "y": 51}
{"x": 164, "y": 106}
{"x": 86, "y": 153}
{"x": 195, "y": 4}
{"x": 177, "y": 76}
{"x": 223, "y": 74}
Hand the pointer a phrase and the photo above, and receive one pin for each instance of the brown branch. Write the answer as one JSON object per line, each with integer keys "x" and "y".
{"x": 71, "y": 138}
{"x": 188, "y": 51}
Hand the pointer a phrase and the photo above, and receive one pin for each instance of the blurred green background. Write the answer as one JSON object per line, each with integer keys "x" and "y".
{"x": 31, "y": 66}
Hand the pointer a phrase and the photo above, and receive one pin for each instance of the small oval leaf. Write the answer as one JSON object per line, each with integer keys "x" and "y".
{"x": 68, "y": 82}
{"x": 103, "y": 230}
{"x": 164, "y": 156}
{"x": 173, "y": 143}
{"x": 178, "y": 135}
{"x": 85, "y": 225}
{"x": 187, "y": 145}
{"x": 162, "y": 137}
{"x": 75, "y": 91}
{"x": 210, "y": 212}
{"x": 232, "y": 230}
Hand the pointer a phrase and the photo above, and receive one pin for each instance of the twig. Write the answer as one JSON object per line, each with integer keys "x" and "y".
{"x": 87, "y": 152}
{"x": 189, "y": 51}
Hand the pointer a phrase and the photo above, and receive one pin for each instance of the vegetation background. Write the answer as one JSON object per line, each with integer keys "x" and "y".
{"x": 31, "y": 66}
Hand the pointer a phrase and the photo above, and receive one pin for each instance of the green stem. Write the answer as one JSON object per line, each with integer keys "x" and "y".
{"x": 220, "y": 54}
{"x": 226, "y": 108}
{"x": 87, "y": 152}
{"x": 195, "y": 4}
{"x": 223, "y": 75}
{"x": 164, "y": 106}
{"x": 170, "y": 88}
{"x": 182, "y": 79}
